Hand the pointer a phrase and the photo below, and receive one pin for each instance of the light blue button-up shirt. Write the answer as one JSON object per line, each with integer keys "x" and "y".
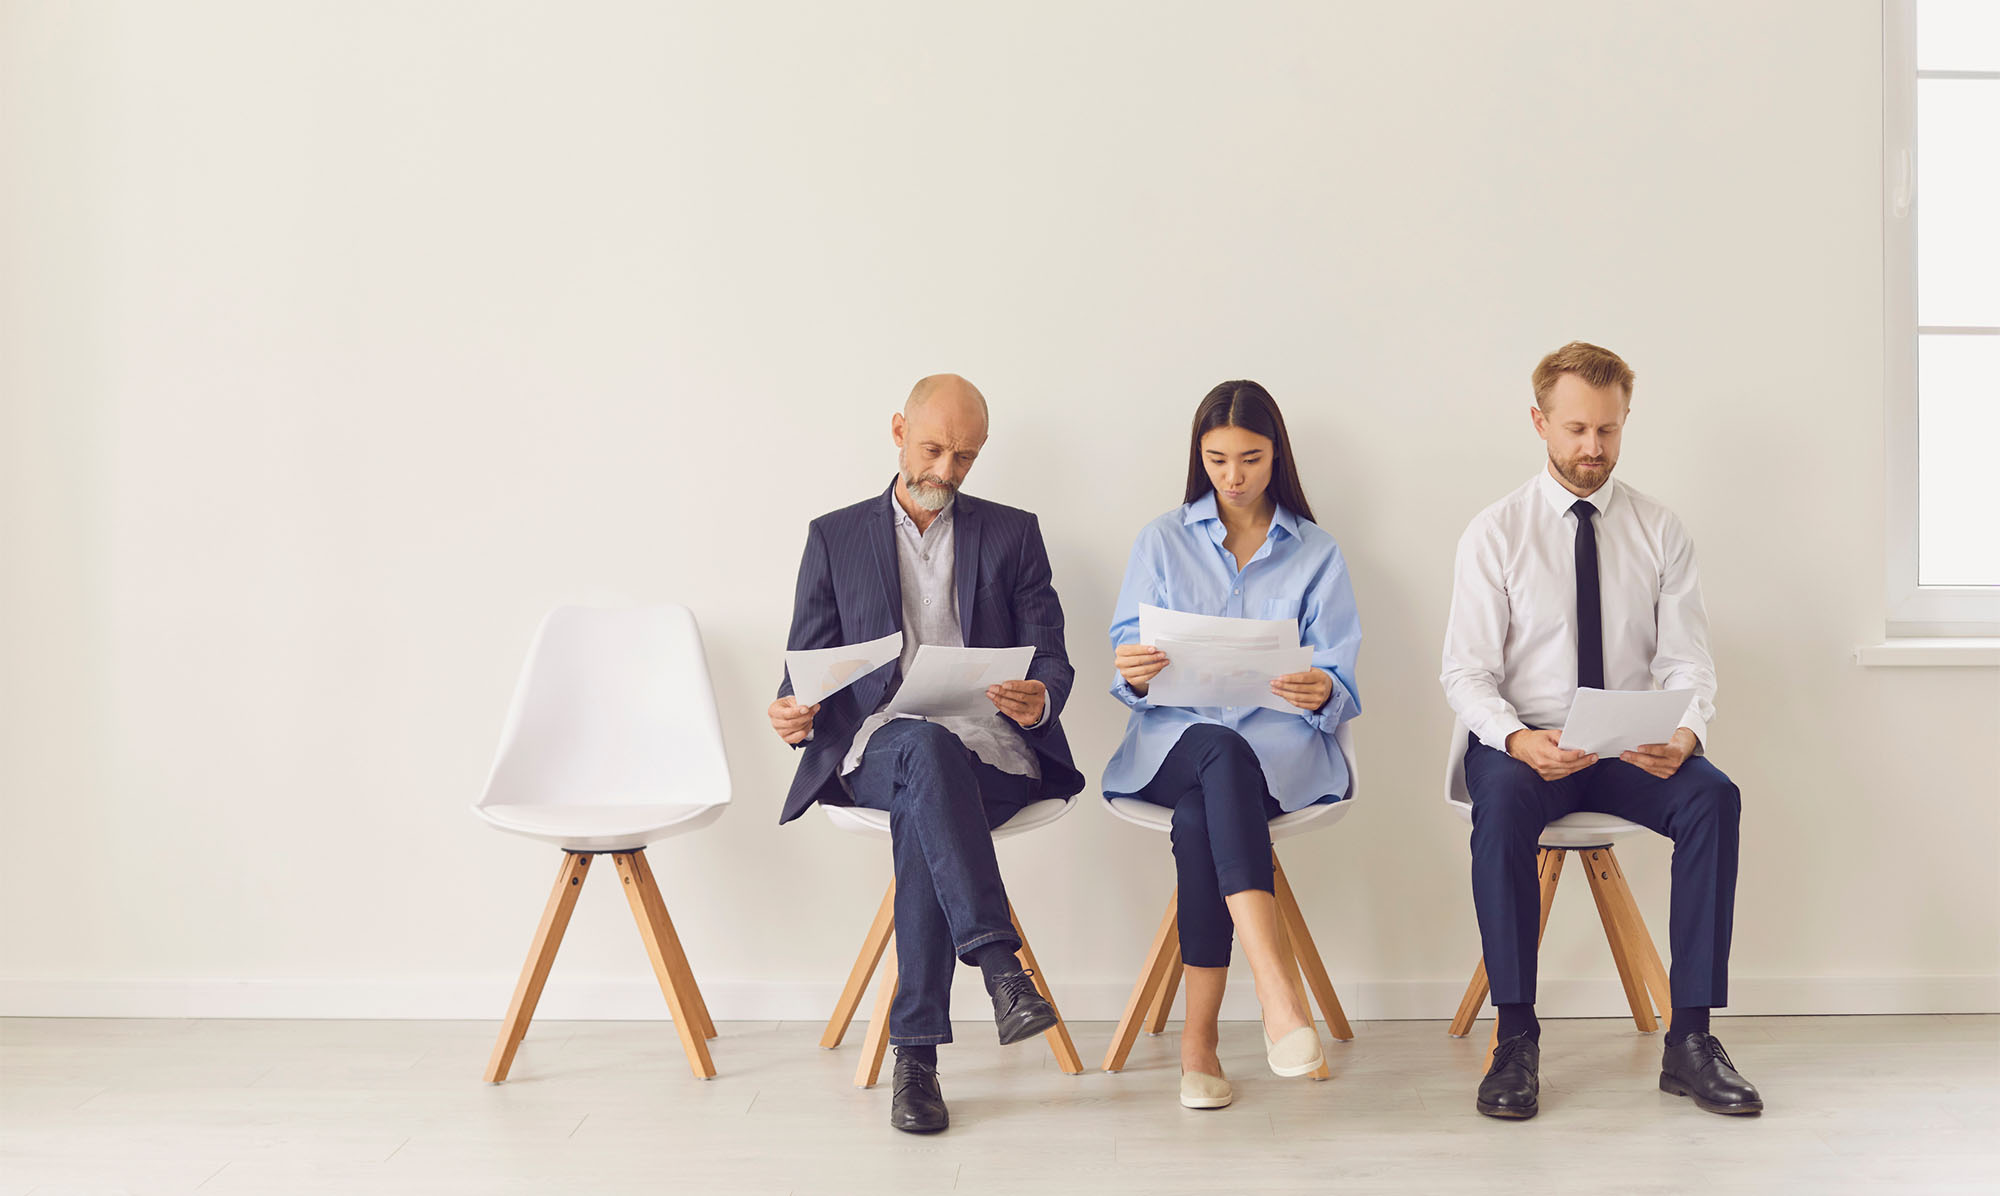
{"x": 1179, "y": 562}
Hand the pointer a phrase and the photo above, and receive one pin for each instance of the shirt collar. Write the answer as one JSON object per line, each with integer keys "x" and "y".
{"x": 1560, "y": 499}
{"x": 1202, "y": 510}
{"x": 903, "y": 517}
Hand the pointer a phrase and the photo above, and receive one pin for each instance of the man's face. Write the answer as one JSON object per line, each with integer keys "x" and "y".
{"x": 935, "y": 448}
{"x": 1582, "y": 425}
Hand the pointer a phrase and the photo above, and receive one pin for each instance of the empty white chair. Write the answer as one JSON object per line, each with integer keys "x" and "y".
{"x": 1589, "y": 835}
{"x": 879, "y": 947}
{"x": 612, "y": 743}
{"x": 1152, "y": 997}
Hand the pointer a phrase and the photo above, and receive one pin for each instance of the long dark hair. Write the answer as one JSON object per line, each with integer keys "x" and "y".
{"x": 1246, "y": 405}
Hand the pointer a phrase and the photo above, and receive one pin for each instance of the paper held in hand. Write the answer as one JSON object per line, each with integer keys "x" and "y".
{"x": 1606, "y": 722}
{"x": 952, "y": 681}
{"x": 1216, "y": 661}
{"x": 819, "y": 673}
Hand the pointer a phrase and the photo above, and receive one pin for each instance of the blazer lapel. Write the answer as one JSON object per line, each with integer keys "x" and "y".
{"x": 965, "y": 523}
{"x": 882, "y": 540}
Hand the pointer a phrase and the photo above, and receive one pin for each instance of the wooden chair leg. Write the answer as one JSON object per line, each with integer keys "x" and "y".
{"x": 643, "y": 898}
{"x": 1470, "y": 1005}
{"x": 1058, "y": 1034}
{"x": 1308, "y": 953}
{"x": 1550, "y": 865}
{"x": 541, "y": 957}
{"x": 676, "y": 954}
{"x": 1638, "y": 942}
{"x": 1599, "y": 866}
{"x": 1163, "y": 1002}
{"x": 876, "y": 1044}
{"x": 864, "y": 969}
{"x": 1151, "y": 977}
{"x": 1290, "y": 952}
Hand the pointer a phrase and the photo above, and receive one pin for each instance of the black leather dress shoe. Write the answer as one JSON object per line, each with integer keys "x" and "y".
{"x": 1514, "y": 1083}
{"x": 918, "y": 1104}
{"x": 1019, "y": 1010}
{"x": 1697, "y": 1066}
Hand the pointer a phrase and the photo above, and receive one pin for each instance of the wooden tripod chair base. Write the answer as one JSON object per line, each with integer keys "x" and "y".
{"x": 1153, "y": 996}
{"x": 663, "y": 947}
{"x": 878, "y": 954}
{"x": 1639, "y": 968}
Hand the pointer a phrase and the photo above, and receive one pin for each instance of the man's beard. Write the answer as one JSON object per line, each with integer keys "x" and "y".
{"x": 1582, "y": 479}
{"x": 930, "y": 493}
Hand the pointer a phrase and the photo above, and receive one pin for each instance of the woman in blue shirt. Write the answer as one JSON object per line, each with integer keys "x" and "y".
{"x": 1243, "y": 544}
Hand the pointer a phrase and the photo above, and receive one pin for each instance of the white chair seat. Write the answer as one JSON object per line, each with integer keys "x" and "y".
{"x": 1160, "y": 818}
{"x": 1586, "y": 828}
{"x": 861, "y": 820}
{"x": 599, "y": 827}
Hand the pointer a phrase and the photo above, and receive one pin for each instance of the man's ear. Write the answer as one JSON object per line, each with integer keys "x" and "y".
{"x": 1540, "y": 421}
{"x": 896, "y": 426}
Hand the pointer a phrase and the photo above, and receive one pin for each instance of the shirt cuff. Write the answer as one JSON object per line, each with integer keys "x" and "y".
{"x": 1699, "y": 725}
{"x": 1494, "y": 732}
{"x": 1048, "y": 711}
{"x": 1123, "y": 691}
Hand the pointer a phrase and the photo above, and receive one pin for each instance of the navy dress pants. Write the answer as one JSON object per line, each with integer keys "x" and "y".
{"x": 1698, "y": 808}
{"x": 943, "y": 804}
{"x": 1222, "y": 807}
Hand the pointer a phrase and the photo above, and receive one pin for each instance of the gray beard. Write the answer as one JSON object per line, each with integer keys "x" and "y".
{"x": 931, "y": 496}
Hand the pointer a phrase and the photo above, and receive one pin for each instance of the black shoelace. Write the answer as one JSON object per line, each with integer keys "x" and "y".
{"x": 1016, "y": 985}
{"x": 1711, "y": 1046}
{"x": 911, "y": 1071}
{"x": 1505, "y": 1052}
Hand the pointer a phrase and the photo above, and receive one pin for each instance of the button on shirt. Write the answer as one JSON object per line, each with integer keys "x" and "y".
{"x": 1180, "y": 562}
{"x": 924, "y": 563}
{"x": 1510, "y": 651}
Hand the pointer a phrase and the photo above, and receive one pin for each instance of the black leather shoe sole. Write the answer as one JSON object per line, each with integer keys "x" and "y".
{"x": 1026, "y": 1023}
{"x": 1507, "y": 1112}
{"x": 1673, "y": 1087}
{"x": 920, "y": 1127}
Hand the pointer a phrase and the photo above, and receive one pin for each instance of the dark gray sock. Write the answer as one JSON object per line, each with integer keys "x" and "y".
{"x": 925, "y": 1054}
{"x": 994, "y": 961}
{"x": 1691, "y": 1020}
{"x": 1516, "y": 1020}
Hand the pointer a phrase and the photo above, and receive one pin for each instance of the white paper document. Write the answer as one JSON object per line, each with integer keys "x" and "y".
{"x": 952, "y": 681}
{"x": 820, "y": 673}
{"x": 1216, "y": 661}
{"x": 1606, "y": 722}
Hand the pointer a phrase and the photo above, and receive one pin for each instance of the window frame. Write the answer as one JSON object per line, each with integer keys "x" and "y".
{"x": 1913, "y": 609}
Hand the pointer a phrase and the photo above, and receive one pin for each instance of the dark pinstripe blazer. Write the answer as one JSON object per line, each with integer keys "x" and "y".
{"x": 850, "y": 591}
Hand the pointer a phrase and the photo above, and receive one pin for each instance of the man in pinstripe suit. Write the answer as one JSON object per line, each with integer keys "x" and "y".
{"x": 943, "y": 568}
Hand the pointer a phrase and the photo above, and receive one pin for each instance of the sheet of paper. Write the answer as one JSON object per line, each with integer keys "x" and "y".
{"x": 1157, "y": 623}
{"x": 1609, "y": 721}
{"x": 820, "y": 673}
{"x": 1208, "y": 675}
{"x": 952, "y": 681}
{"x": 1216, "y": 661}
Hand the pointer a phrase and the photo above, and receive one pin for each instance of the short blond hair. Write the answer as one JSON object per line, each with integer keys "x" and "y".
{"x": 1598, "y": 366}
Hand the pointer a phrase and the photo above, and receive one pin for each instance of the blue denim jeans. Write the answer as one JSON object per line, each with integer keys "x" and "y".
{"x": 943, "y": 804}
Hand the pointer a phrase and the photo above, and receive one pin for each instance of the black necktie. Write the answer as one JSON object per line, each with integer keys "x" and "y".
{"x": 1589, "y": 612}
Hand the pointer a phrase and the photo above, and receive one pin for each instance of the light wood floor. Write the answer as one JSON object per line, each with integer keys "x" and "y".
{"x": 1857, "y": 1104}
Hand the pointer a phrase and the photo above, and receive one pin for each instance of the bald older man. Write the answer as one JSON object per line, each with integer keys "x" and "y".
{"x": 943, "y": 568}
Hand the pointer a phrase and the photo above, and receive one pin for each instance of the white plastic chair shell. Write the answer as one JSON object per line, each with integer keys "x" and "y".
{"x": 613, "y": 740}
{"x": 1160, "y": 818}
{"x": 1583, "y": 829}
{"x": 861, "y": 820}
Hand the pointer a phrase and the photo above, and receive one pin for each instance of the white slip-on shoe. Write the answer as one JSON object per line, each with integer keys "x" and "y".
{"x": 1296, "y": 1053}
{"x": 1202, "y": 1091}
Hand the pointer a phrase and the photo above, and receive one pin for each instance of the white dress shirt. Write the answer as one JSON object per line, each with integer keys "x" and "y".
{"x": 1510, "y": 648}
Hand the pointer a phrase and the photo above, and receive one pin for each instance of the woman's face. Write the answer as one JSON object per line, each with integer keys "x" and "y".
{"x": 1239, "y": 466}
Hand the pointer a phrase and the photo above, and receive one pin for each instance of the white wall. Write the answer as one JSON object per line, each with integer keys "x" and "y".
{"x": 340, "y": 341}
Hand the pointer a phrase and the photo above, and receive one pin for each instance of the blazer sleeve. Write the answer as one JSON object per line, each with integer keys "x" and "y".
{"x": 1038, "y": 619}
{"x": 815, "y": 612}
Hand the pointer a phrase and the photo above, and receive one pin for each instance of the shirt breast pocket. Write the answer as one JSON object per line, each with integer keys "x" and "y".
{"x": 1282, "y": 608}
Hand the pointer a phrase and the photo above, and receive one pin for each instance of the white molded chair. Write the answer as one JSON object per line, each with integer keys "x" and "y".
{"x": 612, "y": 742}
{"x": 1589, "y": 835}
{"x": 878, "y": 947}
{"x": 1152, "y": 997}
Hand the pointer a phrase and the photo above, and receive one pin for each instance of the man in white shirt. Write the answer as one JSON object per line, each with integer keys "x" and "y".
{"x": 1575, "y": 580}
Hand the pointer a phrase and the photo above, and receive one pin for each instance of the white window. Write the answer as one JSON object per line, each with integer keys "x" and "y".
{"x": 1941, "y": 137}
